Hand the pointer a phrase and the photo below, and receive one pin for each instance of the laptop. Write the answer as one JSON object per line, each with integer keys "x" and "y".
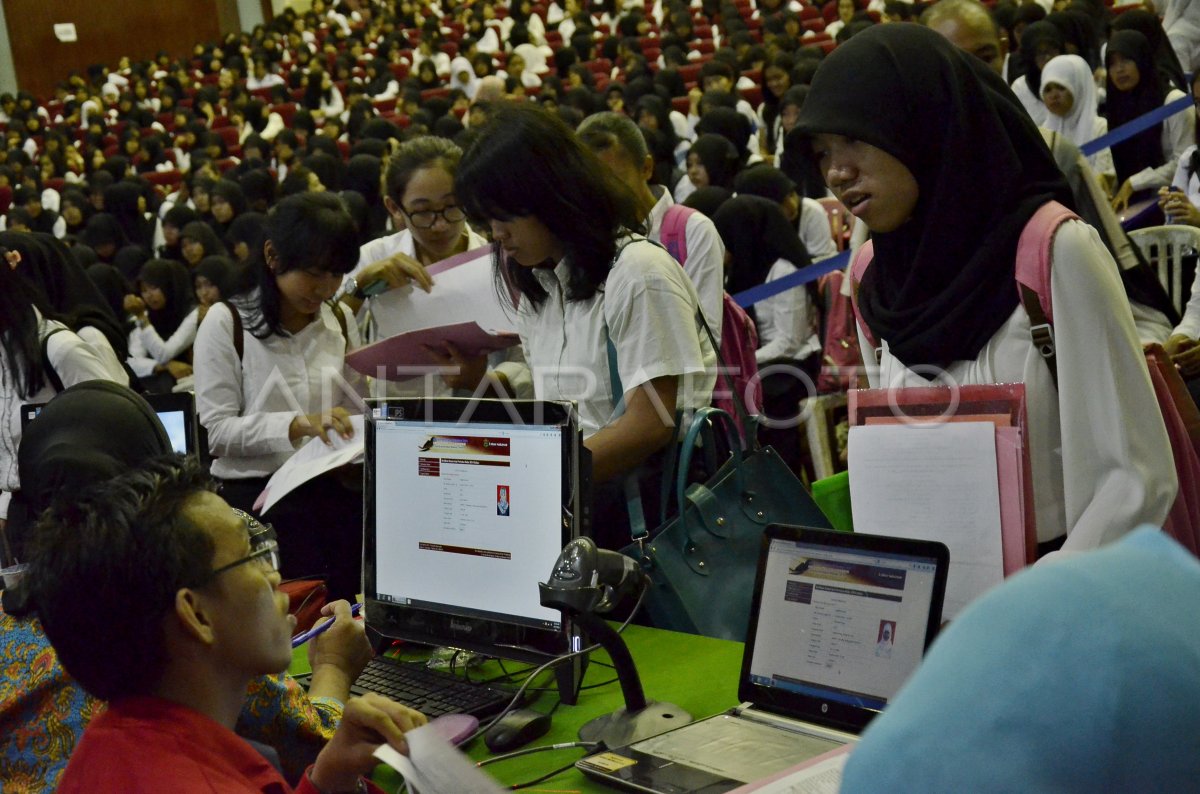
{"x": 176, "y": 411}
{"x": 838, "y": 622}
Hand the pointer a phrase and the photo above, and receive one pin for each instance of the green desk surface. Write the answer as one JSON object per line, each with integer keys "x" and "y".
{"x": 698, "y": 674}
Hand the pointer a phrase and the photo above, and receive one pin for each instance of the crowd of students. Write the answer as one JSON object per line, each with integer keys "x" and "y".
{"x": 226, "y": 225}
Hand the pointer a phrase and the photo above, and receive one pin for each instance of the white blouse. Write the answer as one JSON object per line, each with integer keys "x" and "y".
{"x": 248, "y": 404}
{"x": 147, "y": 349}
{"x": 787, "y": 322}
{"x": 1102, "y": 462}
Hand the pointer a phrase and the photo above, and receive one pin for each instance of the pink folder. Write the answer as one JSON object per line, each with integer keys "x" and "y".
{"x": 1001, "y": 404}
{"x": 404, "y": 356}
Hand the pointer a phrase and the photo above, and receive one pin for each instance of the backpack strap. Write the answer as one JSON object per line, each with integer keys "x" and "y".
{"x": 340, "y": 314}
{"x": 239, "y": 333}
{"x": 858, "y": 268}
{"x": 673, "y": 232}
{"x": 47, "y": 365}
{"x": 1032, "y": 274}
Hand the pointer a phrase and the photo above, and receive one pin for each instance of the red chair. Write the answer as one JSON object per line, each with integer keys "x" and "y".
{"x": 681, "y": 104}
{"x": 752, "y": 95}
{"x": 225, "y": 164}
{"x": 385, "y": 105}
{"x": 229, "y": 135}
{"x": 816, "y": 23}
{"x": 430, "y": 93}
{"x": 689, "y": 73}
{"x": 164, "y": 178}
{"x": 399, "y": 70}
{"x": 286, "y": 111}
{"x": 754, "y": 74}
{"x": 706, "y": 47}
{"x": 55, "y": 183}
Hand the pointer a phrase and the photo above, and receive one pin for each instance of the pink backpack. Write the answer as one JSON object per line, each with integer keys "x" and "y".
{"x": 739, "y": 337}
{"x": 1033, "y": 285}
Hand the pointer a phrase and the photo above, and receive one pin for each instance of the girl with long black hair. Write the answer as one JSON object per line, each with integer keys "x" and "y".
{"x": 271, "y": 374}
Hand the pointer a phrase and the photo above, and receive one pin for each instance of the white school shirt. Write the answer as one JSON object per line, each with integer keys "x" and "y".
{"x": 787, "y": 322}
{"x": 247, "y": 406}
{"x": 1034, "y": 106}
{"x": 1178, "y": 133}
{"x": 147, "y": 349}
{"x": 705, "y": 264}
{"x": 1189, "y": 326}
{"x": 647, "y": 307}
{"x": 815, "y": 233}
{"x": 73, "y": 360}
{"x": 1102, "y": 462}
{"x": 103, "y": 349}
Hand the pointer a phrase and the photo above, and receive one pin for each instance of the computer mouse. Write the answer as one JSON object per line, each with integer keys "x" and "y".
{"x": 516, "y": 729}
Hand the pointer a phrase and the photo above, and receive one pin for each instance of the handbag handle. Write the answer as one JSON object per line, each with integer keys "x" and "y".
{"x": 732, "y": 437}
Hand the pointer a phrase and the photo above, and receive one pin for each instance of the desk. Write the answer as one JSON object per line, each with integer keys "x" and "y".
{"x": 698, "y": 674}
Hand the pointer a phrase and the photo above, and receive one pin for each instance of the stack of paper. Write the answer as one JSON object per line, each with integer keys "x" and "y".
{"x": 463, "y": 308}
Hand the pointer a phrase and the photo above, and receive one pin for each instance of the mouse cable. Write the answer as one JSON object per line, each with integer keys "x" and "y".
{"x": 556, "y": 660}
{"x": 542, "y": 749}
{"x": 543, "y": 778}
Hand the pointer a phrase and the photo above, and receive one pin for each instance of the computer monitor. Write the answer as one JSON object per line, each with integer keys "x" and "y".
{"x": 176, "y": 411}
{"x": 468, "y": 504}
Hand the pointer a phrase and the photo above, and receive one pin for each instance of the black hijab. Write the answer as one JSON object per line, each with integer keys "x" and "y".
{"x": 221, "y": 271}
{"x": 175, "y": 281}
{"x": 942, "y": 283}
{"x": 112, "y": 285}
{"x": 756, "y": 234}
{"x": 1043, "y": 32}
{"x": 707, "y": 200}
{"x": 729, "y": 124}
{"x": 88, "y": 433}
{"x": 1165, "y": 58}
{"x": 121, "y": 202}
{"x": 720, "y": 159}
{"x": 202, "y": 233}
{"x": 102, "y": 229}
{"x": 129, "y": 261}
{"x": 1143, "y": 150}
{"x": 69, "y": 294}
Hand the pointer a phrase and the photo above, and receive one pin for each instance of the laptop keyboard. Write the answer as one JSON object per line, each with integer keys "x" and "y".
{"x": 430, "y": 692}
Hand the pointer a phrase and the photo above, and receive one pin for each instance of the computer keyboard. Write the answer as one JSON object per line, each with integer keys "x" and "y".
{"x": 430, "y": 692}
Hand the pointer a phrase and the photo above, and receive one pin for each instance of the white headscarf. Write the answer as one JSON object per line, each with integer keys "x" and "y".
{"x": 1072, "y": 73}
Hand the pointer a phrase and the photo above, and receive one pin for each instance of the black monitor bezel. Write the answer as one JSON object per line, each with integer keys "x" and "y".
{"x": 432, "y": 626}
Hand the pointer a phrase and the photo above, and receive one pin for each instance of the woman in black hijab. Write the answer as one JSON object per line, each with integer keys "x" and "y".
{"x": 71, "y": 297}
{"x": 198, "y": 240}
{"x": 712, "y": 162}
{"x": 104, "y": 236}
{"x": 707, "y": 200}
{"x": 1149, "y": 26}
{"x": 940, "y": 297}
{"x": 1136, "y": 86}
{"x": 761, "y": 246}
{"x": 227, "y": 202}
{"x": 112, "y": 286}
{"x": 125, "y": 203}
{"x": 166, "y": 321}
{"x": 730, "y": 125}
{"x": 1040, "y": 42}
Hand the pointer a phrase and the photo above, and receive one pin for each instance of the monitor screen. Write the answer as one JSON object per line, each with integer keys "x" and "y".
{"x": 175, "y": 423}
{"x": 839, "y": 623}
{"x": 467, "y": 510}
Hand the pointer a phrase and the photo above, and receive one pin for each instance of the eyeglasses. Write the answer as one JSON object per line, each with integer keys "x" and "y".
{"x": 425, "y": 219}
{"x": 264, "y": 548}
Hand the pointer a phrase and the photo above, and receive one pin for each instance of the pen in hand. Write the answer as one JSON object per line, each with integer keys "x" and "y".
{"x": 304, "y": 637}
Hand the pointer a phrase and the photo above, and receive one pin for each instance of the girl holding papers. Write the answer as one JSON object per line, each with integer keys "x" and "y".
{"x": 569, "y": 243}
{"x": 947, "y": 188}
{"x": 273, "y": 375}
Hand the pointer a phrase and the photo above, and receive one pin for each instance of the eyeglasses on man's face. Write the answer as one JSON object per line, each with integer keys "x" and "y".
{"x": 424, "y": 219}
{"x": 264, "y": 548}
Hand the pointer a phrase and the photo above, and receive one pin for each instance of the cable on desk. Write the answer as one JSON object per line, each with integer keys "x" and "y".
{"x": 543, "y": 778}
{"x": 556, "y": 660}
{"x": 542, "y": 749}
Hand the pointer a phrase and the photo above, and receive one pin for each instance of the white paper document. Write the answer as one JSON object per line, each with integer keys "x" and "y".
{"x": 434, "y": 766}
{"x": 311, "y": 461}
{"x": 463, "y": 291}
{"x": 933, "y": 482}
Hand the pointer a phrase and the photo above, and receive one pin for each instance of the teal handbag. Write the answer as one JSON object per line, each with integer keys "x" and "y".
{"x": 702, "y": 564}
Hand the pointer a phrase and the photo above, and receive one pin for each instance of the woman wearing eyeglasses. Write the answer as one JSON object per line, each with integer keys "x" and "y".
{"x": 418, "y": 181}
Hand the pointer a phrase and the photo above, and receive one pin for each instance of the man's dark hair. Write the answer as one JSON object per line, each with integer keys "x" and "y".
{"x": 105, "y": 568}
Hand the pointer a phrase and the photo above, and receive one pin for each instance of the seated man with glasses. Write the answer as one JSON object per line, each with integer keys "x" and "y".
{"x": 163, "y": 601}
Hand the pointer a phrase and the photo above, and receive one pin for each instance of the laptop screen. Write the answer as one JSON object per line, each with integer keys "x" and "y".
{"x": 842, "y": 620}
{"x": 466, "y": 513}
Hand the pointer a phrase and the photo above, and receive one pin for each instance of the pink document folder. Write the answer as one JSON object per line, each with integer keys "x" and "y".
{"x": 1001, "y": 404}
